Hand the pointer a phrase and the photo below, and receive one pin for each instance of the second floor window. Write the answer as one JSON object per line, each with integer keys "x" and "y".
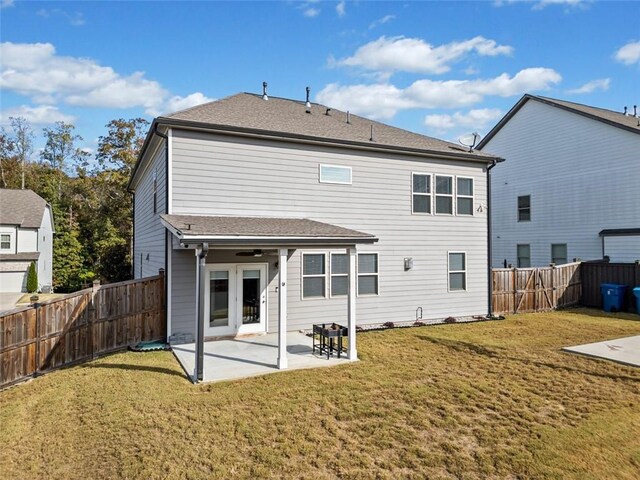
{"x": 5, "y": 241}
{"x": 444, "y": 195}
{"x": 524, "y": 208}
{"x": 421, "y": 193}
{"x": 335, "y": 174}
{"x": 464, "y": 196}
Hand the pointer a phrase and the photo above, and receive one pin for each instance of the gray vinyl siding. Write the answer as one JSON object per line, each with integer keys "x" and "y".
{"x": 582, "y": 175}
{"x": 149, "y": 232}
{"x": 216, "y": 175}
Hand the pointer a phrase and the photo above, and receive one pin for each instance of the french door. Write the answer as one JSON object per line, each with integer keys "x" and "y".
{"x": 235, "y": 299}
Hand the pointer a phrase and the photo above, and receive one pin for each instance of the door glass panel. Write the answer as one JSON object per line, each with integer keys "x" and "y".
{"x": 250, "y": 297}
{"x": 219, "y": 298}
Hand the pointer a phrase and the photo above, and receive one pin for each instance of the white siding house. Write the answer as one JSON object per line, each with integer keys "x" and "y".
{"x": 26, "y": 236}
{"x": 570, "y": 186}
{"x": 307, "y": 215}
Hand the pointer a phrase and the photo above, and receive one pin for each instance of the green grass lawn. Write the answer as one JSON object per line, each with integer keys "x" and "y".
{"x": 468, "y": 401}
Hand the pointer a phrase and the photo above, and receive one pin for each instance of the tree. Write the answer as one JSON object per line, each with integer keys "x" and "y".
{"x": 120, "y": 147}
{"x": 61, "y": 148}
{"x": 68, "y": 268}
{"x": 23, "y": 140}
{"x": 32, "y": 278}
{"x": 7, "y": 154}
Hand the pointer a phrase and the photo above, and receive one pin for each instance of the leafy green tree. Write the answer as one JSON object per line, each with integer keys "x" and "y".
{"x": 32, "y": 278}
{"x": 23, "y": 141}
{"x": 61, "y": 150}
{"x": 68, "y": 265}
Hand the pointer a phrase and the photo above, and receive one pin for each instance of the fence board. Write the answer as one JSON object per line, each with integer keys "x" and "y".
{"x": 521, "y": 290}
{"x": 595, "y": 274}
{"x": 79, "y": 326}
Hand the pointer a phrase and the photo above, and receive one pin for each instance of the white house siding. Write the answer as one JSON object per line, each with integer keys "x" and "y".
{"x": 27, "y": 240}
{"x": 582, "y": 175}
{"x": 11, "y": 230}
{"x": 149, "y": 242}
{"x": 45, "y": 247}
{"x": 213, "y": 175}
{"x": 622, "y": 248}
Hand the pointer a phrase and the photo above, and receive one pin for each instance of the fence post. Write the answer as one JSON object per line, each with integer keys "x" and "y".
{"x": 37, "y": 362}
{"x": 515, "y": 290}
{"x": 95, "y": 286}
{"x": 554, "y": 297}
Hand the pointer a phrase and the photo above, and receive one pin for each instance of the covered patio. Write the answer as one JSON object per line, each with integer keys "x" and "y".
{"x": 240, "y": 357}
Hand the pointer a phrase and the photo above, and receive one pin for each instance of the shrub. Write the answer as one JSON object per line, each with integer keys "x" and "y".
{"x": 32, "y": 278}
{"x": 450, "y": 320}
{"x": 388, "y": 324}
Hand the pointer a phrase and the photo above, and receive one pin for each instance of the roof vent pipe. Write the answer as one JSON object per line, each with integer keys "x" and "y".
{"x": 308, "y": 103}
{"x": 348, "y": 117}
{"x": 264, "y": 91}
{"x": 372, "y": 139}
{"x": 625, "y": 111}
{"x": 635, "y": 112}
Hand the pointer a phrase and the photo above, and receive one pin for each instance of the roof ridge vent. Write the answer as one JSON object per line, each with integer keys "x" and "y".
{"x": 308, "y": 103}
{"x": 264, "y": 91}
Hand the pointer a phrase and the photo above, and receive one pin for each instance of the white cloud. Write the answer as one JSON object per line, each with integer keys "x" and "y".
{"x": 177, "y": 103}
{"x": 76, "y": 19}
{"x": 593, "y": 85}
{"x": 36, "y": 71}
{"x": 477, "y": 119}
{"x": 384, "y": 100}
{"x": 7, "y": 3}
{"x": 629, "y": 53}
{"x": 311, "y": 12}
{"x": 415, "y": 55}
{"x": 381, "y": 21}
{"x": 41, "y": 115}
{"x": 341, "y": 8}
{"x": 566, "y": 3}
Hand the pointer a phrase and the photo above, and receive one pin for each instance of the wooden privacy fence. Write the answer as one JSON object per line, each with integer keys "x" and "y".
{"x": 595, "y": 274}
{"x": 79, "y": 327}
{"x": 520, "y": 290}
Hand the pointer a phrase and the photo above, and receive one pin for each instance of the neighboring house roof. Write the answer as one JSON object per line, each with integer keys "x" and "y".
{"x": 23, "y": 208}
{"x": 286, "y": 119}
{"x": 615, "y": 119}
{"x": 19, "y": 257}
{"x": 615, "y": 232}
{"x": 233, "y": 229}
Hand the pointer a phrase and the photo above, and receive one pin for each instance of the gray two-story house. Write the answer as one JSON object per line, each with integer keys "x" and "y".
{"x": 270, "y": 214}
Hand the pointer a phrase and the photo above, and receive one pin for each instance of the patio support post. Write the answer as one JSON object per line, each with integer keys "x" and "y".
{"x": 352, "y": 352}
{"x": 282, "y": 308}
{"x": 201, "y": 256}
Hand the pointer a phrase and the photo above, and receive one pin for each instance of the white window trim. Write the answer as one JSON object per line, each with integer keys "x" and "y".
{"x": 518, "y": 208}
{"x": 303, "y": 276}
{"x": 331, "y": 274}
{"x": 449, "y": 271}
{"x": 566, "y": 251}
{"x": 472, "y": 196}
{"x": 430, "y": 195}
{"x": 358, "y": 275}
{"x": 320, "y": 180}
{"x": 436, "y": 195}
{"x": 12, "y": 242}
{"x": 518, "y": 254}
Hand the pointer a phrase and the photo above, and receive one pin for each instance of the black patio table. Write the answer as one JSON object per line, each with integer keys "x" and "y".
{"x": 327, "y": 338}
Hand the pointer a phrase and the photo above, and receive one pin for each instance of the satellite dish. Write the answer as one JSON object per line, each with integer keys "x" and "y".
{"x": 470, "y": 140}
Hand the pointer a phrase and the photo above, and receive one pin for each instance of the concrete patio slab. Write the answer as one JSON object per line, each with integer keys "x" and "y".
{"x": 250, "y": 356}
{"x": 8, "y": 301}
{"x": 622, "y": 350}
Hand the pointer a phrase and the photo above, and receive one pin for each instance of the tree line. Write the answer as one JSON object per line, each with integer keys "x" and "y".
{"x": 87, "y": 193}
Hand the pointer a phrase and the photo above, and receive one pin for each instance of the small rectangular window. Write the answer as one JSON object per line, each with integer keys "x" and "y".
{"x": 5, "y": 241}
{"x": 421, "y": 193}
{"x": 339, "y": 274}
{"x": 559, "y": 253}
{"x": 464, "y": 196}
{"x": 335, "y": 174}
{"x": 444, "y": 195}
{"x": 457, "y": 271}
{"x": 367, "y": 274}
{"x": 313, "y": 275}
{"x": 524, "y": 208}
{"x": 524, "y": 255}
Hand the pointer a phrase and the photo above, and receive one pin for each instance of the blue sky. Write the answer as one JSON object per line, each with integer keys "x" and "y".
{"x": 437, "y": 68}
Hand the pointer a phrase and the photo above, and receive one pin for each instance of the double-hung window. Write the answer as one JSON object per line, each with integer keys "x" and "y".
{"x": 421, "y": 193}
{"x": 457, "y": 271}
{"x": 524, "y": 208}
{"x": 464, "y": 195}
{"x": 339, "y": 274}
{"x": 367, "y": 274}
{"x": 313, "y": 275}
{"x": 559, "y": 253}
{"x": 444, "y": 195}
{"x": 524, "y": 255}
{"x": 5, "y": 241}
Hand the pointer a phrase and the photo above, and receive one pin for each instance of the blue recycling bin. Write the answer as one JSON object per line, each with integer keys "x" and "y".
{"x": 636, "y": 293}
{"x": 612, "y": 297}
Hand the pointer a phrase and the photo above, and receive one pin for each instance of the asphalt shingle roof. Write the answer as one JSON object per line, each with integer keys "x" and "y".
{"x": 288, "y": 117}
{"x": 19, "y": 257}
{"x": 24, "y": 208}
{"x": 214, "y": 226}
{"x": 602, "y": 113}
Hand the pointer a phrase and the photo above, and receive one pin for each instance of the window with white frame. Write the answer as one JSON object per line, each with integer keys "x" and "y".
{"x": 444, "y": 195}
{"x": 457, "y": 271}
{"x": 313, "y": 275}
{"x": 524, "y": 255}
{"x": 339, "y": 274}
{"x": 464, "y": 196}
{"x": 5, "y": 241}
{"x": 335, "y": 174}
{"x": 559, "y": 253}
{"x": 421, "y": 193}
{"x": 524, "y": 208}
{"x": 367, "y": 274}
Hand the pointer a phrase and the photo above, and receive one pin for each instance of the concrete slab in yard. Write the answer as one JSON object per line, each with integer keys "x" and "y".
{"x": 250, "y": 356}
{"x": 8, "y": 301}
{"x": 622, "y": 350}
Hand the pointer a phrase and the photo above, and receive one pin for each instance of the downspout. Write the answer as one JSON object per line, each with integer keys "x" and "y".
{"x": 490, "y": 315}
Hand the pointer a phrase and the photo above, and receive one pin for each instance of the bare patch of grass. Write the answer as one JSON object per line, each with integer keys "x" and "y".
{"x": 483, "y": 400}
